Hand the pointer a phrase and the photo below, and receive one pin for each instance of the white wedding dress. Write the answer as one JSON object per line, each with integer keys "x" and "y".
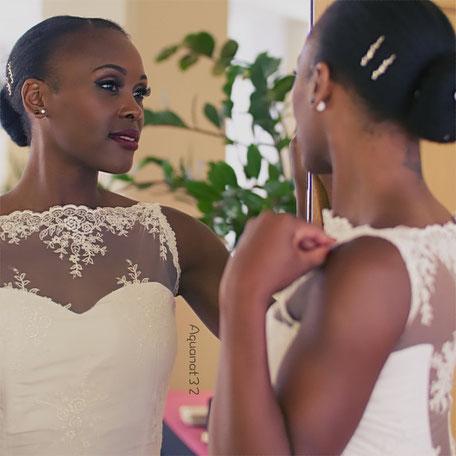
{"x": 87, "y": 330}
{"x": 408, "y": 413}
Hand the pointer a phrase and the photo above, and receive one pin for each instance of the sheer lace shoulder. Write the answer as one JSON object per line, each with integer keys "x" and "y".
{"x": 100, "y": 248}
{"x": 410, "y": 406}
{"x": 422, "y": 250}
{"x": 76, "y": 232}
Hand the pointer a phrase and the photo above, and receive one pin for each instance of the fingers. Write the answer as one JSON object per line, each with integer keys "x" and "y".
{"x": 309, "y": 236}
{"x": 314, "y": 258}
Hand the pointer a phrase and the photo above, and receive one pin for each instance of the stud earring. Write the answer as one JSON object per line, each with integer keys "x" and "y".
{"x": 41, "y": 111}
{"x": 321, "y": 106}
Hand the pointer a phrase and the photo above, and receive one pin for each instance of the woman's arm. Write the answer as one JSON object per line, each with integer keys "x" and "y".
{"x": 326, "y": 377}
{"x": 202, "y": 257}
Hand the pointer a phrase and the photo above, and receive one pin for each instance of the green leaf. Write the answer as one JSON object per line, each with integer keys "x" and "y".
{"x": 284, "y": 142}
{"x": 212, "y": 115}
{"x": 274, "y": 172}
{"x": 147, "y": 160}
{"x": 221, "y": 227}
{"x": 202, "y": 191}
{"x": 238, "y": 226}
{"x": 144, "y": 185}
{"x": 231, "y": 76}
{"x": 260, "y": 111}
{"x": 205, "y": 206}
{"x": 227, "y": 54}
{"x": 221, "y": 175}
{"x": 233, "y": 208}
{"x": 166, "y": 53}
{"x": 227, "y": 108}
{"x": 182, "y": 167}
{"x": 259, "y": 106}
{"x": 229, "y": 49}
{"x": 200, "y": 43}
{"x": 123, "y": 177}
{"x": 254, "y": 202}
{"x": 286, "y": 205}
{"x": 254, "y": 158}
{"x": 281, "y": 87}
{"x": 168, "y": 171}
{"x": 263, "y": 67}
{"x": 166, "y": 166}
{"x": 277, "y": 188}
{"x": 218, "y": 68}
{"x": 163, "y": 118}
{"x": 187, "y": 61}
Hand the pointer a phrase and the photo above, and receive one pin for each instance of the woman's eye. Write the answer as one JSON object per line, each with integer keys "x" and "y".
{"x": 112, "y": 86}
{"x": 141, "y": 93}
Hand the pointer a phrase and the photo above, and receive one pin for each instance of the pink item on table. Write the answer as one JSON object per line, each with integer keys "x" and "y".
{"x": 190, "y": 435}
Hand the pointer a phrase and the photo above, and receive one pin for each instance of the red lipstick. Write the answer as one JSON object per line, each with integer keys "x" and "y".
{"x": 126, "y": 138}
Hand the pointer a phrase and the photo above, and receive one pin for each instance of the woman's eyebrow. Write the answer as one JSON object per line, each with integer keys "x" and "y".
{"x": 114, "y": 67}
{"x": 117, "y": 68}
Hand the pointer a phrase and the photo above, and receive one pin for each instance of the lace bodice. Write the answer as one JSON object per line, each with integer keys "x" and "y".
{"x": 409, "y": 409}
{"x": 87, "y": 330}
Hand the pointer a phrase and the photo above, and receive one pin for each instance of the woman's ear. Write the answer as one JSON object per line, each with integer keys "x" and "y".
{"x": 33, "y": 96}
{"x": 321, "y": 84}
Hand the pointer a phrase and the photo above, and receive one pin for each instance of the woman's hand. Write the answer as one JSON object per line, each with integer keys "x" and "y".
{"x": 274, "y": 250}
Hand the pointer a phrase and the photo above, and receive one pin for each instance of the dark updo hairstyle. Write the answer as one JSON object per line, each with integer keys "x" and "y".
{"x": 416, "y": 44}
{"x": 30, "y": 58}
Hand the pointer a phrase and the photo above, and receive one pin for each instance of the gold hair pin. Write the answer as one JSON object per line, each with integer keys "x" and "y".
{"x": 372, "y": 50}
{"x": 383, "y": 67}
{"x": 9, "y": 85}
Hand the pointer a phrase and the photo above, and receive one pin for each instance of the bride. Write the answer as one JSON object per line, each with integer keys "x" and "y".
{"x": 358, "y": 355}
{"x": 87, "y": 276}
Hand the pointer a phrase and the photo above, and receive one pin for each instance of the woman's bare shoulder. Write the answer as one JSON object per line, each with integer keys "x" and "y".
{"x": 184, "y": 223}
{"x": 111, "y": 199}
{"x": 367, "y": 279}
{"x": 9, "y": 203}
{"x": 195, "y": 240}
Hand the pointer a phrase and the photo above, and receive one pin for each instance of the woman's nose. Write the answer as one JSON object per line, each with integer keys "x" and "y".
{"x": 131, "y": 109}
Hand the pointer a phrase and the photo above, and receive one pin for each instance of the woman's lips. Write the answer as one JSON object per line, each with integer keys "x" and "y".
{"x": 127, "y": 139}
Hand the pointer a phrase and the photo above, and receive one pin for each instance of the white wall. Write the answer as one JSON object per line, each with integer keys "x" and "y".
{"x": 16, "y": 17}
{"x": 279, "y": 27}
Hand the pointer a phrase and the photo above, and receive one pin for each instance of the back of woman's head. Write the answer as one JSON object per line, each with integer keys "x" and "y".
{"x": 399, "y": 56}
{"x": 31, "y": 58}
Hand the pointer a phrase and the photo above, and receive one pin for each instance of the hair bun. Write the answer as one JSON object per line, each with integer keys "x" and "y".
{"x": 432, "y": 113}
{"x": 11, "y": 120}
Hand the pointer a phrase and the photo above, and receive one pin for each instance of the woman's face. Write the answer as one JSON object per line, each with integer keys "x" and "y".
{"x": 309, "y": 128}
{"x": 95, "y": 116}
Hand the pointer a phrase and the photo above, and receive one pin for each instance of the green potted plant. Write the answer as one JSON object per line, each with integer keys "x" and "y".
{"x": 225, "y": 205}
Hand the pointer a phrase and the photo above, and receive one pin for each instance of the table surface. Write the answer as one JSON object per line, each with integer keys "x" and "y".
{"x": 190, "y": 435}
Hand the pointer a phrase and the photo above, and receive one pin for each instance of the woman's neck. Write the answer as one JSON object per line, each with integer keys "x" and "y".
{"x": 377, "y": 179}
{"x": 46, "y": 183}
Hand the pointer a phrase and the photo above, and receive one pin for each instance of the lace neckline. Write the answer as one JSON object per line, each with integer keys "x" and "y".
{"x": 341, "y": 225}
{"x": 77, "y": 232}
{"x": 76, "y": 207}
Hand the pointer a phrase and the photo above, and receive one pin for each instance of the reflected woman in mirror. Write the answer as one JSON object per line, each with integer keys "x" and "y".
{"x": 357, "y": 356}
{"x": 88, "y": 277}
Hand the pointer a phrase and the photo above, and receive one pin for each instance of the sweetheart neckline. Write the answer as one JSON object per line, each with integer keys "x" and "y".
{"x": 67, "y": 310}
